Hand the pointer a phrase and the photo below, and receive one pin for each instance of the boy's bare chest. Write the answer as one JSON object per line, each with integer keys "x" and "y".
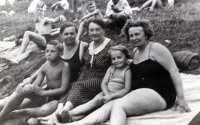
{"x": 53, "y": 73}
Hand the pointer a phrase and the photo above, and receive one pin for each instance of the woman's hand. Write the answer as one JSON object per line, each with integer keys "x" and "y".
{"x": 181, "y": 103}
{"x": 37, "y": 90}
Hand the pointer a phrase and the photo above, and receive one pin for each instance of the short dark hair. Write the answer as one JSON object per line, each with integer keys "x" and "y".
{"x": 145, "y": 24}
{"x": 90, "y": 2}
{"x": 99, "y": 22}
{"x": 57, "y": 44}
{"x": 68, "y": 24}
{"x": 121, "y": 48}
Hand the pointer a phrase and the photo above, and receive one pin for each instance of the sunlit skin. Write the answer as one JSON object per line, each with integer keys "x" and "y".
{"x": 118, "y": 59}
{"x": 69, "y": 35}
{"x": 96, "y": 32}
{"x": 137, "y": 37}
{"x": 52, "y": 53}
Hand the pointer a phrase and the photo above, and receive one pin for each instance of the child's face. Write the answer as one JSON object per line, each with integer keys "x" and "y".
{"x": 118, "y": 58}
{"x": 69, "y": 35}
{"x": 92, "y": 7}
{"x": 52, "y": 53}
{"x": 115, "y": 1}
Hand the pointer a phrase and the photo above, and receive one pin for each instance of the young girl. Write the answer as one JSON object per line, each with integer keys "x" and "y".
{"x": 93, "y": 12}
{"x": 116, "y": 84}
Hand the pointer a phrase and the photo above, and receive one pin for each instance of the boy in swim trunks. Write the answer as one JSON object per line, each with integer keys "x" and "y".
{"x": 57, "y": 74}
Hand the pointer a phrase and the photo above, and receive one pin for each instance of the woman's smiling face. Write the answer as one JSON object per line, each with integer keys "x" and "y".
{"x": 96, "y": 32}
{"x": 137, "y": 36}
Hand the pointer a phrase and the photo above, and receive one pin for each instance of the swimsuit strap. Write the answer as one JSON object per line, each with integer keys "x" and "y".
{"x": 114, "y": 68}
{"x": 126, "y": 70}
{"x": 150, "y": 49}
{"x": 134, "y": 52}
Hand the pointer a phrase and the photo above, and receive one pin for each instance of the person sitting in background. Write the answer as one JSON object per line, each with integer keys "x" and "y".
{"x": 39, "y": 38}
{"x": 37, "y": 7}
{"x": 57, "y": 73}
{"x": 152, "y": 4}
{"x": 93, "y": 12}
{"x": 117, "y": 12}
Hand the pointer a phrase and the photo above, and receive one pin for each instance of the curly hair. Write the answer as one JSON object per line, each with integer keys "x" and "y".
{"x": 145, "y": 24}
{"x": 99, "y": 22}
{"x": 121, "y": 48}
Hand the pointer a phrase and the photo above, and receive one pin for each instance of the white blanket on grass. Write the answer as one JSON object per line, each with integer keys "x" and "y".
{"x": 191, "y": 85}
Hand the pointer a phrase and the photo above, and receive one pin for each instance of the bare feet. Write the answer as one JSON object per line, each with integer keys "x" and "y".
{"x": 53, "y": 117}
{"x": 14, "y": 61}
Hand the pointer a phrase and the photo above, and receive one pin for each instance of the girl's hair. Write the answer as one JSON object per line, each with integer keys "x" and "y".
{"x": 56, "y": 44}
{"x": 145, "y": 24}
{"x": 68, "y": 24}
{"x": 121, "y": 48}
{"x": 99, "y": 22}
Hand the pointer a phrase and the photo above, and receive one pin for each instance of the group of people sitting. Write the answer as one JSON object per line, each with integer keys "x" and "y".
{"x": 85, "y": 83}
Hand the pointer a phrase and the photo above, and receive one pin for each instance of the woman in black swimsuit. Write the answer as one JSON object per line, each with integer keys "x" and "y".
{"x": 156, "y": 79}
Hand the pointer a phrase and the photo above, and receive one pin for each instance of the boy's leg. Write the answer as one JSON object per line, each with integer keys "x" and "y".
{"x": 15, "y": 101}
{"x": 42, "y": 111}
{"x": 4, "y": 101}
{"x": 32, "y": 36}
{"x": 53, "y": 115}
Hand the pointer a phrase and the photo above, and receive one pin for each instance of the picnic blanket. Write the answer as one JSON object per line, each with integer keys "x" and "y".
{"x": 191, "y": 84}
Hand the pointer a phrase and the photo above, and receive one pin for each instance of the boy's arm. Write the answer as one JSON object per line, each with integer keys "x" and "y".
{"x": 104, "y": 83}
{"x": 90, "y": 14}
{"x": 40, "y": 76}
{"x": 123, "y": 92}
{"x": 51, "y": 20}
{"x": 66, "y": 74}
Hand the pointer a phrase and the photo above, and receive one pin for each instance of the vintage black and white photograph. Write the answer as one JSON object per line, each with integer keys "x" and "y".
{"x": 99, "y": 62}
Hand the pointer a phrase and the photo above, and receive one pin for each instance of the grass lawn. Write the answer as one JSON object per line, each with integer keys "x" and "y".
{"x": 180, "y": 25}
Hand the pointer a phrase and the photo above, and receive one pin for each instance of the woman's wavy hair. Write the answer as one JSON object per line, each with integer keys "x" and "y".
{"x": 121, "y": 48}
{"x": 145, "y": 24}
{"x": 99, "y": 22}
